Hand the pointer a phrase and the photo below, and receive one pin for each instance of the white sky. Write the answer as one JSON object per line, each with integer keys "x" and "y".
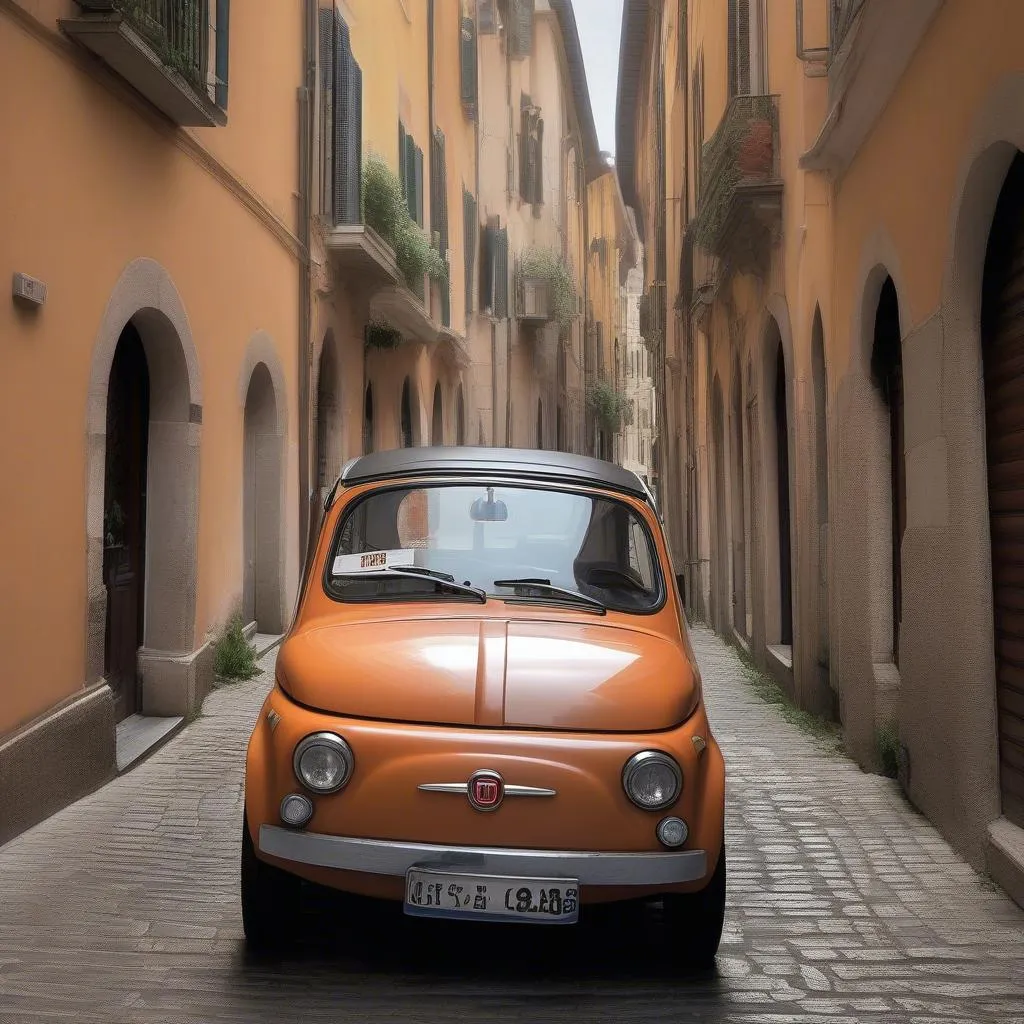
{"x": 600, "y": 22}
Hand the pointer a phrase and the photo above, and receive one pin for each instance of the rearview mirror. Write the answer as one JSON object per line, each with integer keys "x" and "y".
{"x": 487, "y": 510}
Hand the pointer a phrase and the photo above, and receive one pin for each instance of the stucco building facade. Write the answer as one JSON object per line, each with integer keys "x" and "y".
{"x": 247, "y": 243}
{"x": 853, "y": 198}
{"x": 150, "y": 357}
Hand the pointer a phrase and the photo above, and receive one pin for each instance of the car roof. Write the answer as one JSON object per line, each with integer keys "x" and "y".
{"x": 525, "y": 463}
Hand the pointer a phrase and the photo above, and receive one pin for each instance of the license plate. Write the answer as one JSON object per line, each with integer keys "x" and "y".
{"x": 430, "y": 893}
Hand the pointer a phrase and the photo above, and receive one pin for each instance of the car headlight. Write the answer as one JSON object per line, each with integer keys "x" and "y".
{"x": 323, "y": 762}
{"x": 652, "y": 780}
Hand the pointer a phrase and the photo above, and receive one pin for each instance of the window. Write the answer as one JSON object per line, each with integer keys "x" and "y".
{"x": 594, "y": 547}
{"x": 469, "y": 227}
{"x": 519, "y": 26}
{"x": 341, "y": 122}
{"x": 410, "y": 173}
{"x": 468, "y": 68}
{"x": 531, "y": 152}
{"x": 494, "y": 270}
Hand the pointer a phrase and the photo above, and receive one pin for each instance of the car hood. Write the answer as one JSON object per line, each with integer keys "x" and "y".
{"x": 498, "y": 673}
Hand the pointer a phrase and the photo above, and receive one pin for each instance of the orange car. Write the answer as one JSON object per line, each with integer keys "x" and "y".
{"x": 487, "y": 706}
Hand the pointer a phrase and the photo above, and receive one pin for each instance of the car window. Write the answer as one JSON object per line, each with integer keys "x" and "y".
{"x": 592, "y": 546}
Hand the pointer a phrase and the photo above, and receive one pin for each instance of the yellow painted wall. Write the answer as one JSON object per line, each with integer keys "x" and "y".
{"x": 77, "y": 205}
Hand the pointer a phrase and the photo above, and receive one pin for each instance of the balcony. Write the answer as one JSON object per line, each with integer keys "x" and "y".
{"x": 533, "y": 300}
{"x": 871, "y": 44}
{"x": 739, "y": 204}
{"x": 164, "y": 49}
{"x": 361, "y": 257}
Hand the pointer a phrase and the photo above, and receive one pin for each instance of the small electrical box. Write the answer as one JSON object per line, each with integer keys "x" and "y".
{"x": 29, "y": 290}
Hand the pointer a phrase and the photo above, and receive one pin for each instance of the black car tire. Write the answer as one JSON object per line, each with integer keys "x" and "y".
{"x": 270, "y": 900}
{"x": 695, "y": 919}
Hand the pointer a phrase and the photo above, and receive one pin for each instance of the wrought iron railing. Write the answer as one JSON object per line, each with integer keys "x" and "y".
{"x": 177, "y": 31}
{"x": 842, "y": 14}
{"x": 744, "y": 150}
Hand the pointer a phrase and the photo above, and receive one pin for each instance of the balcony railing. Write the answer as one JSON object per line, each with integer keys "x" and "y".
{"x": 842, "y": 14}
{"x": 739, "y": 202}
{"x": 186, "y": 41}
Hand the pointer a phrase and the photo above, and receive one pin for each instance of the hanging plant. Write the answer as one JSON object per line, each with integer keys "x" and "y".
{"x": 549, "y": 266}
{"x": 386, "y": 211}
{"x": 380, "y": 334}
{"x": 611, "y": 407}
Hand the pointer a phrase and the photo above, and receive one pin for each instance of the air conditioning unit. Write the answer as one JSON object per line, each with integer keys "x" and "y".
{"x": 533, "y": 299}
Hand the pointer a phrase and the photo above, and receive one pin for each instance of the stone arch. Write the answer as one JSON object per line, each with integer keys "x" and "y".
{"x": 368, "y": 419}
{"x": 437, "y": 417}
{"x": 720, "y": 569}
{"x": 262, "y": 504}
{"x": 408, "y": 415}
{"x": 739, "y": 501}
{"x": 146, "y": 298}
{"x": 460, "y": 415}
{"x": 819, "y": 383}
{"x": 969, "y": 732}
{"x": 328, "y": 413}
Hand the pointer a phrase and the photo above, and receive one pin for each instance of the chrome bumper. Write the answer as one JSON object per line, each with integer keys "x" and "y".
{"x": 381, "y": 857}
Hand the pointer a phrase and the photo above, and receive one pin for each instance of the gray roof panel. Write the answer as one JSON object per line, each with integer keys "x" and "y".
{"x": 520, "y": 463}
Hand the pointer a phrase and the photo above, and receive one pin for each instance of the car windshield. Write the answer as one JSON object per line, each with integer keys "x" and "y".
{"x": 514, "y": 543}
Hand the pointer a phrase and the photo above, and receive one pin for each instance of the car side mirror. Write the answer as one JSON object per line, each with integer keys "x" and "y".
{"x": 681, "y": 584}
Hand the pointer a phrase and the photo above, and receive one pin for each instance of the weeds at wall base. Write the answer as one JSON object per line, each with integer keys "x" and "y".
{"x": 828, "y": 735}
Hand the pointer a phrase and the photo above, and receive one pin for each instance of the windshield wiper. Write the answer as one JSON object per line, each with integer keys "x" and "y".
{"x": 417, "y": 572}
{"x": 551, "y": 590}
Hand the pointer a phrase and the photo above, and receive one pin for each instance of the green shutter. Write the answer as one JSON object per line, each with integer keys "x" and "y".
{"x": 418, "y": 186}
{"x": 520, "y": 35}
{"x": 468, "y": 59}
{"x": 348, "y": 129}
{"x": 469, "y": 245}
{"x": 327, "y": 113}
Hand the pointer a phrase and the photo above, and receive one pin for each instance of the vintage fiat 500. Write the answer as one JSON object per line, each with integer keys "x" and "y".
{"x": 487, "y": 706}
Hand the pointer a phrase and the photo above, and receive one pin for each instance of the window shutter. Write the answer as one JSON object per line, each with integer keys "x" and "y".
{"x": 418, "y": 186}
{"x": 743, "y": 47}
{"x": 524, "y": 147}
{"x": 221, "y": 56}
{"x": 488, "y": 258}
{"x": 538, "y": 163}
{"x": 501, "y": 275}
{"x": 410, "y": 175}
{"x": 469, "y": 245}
{"x": 520, "y": 35}
{"x": 327, "y": 34}
{"x": 348, "y": 128}
{"x": 468, "y": 52}
{"x": 402, "y": 175}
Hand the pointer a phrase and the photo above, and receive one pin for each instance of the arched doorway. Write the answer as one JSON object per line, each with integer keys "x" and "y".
{"x": 540, "y": 424}
{"x": 124, "y": 519}
{"x": 1003, "y": 357}
{"x": 437, "y": 418}
{"x": 261, "y": 503}
{"x": 368, "y": 420}
{"x": 327, "y": 419}
{"x": 460, "y": 417}
{"x": 406, "y": 416}
{"x": 739, "y": 559}
{"x": 782, "y": 497}
{"x": 720, "y": 583}
{"x": 820, "y": 382}
{"x": 887, "y": 374}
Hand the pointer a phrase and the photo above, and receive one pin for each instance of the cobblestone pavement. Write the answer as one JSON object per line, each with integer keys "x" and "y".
{"x": 844, "y": 906}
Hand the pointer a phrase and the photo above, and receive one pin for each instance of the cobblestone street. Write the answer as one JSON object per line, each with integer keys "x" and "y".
{"x": 844, "y": 905}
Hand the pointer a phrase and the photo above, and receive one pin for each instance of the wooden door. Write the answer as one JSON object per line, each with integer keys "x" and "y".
{"x": 1003, "y": 337}
{"x": 124, "y": 519}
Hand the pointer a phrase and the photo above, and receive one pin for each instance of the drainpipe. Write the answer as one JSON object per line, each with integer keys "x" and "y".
{"x": 306, "y": 93}
{"x": 508, "y": 318}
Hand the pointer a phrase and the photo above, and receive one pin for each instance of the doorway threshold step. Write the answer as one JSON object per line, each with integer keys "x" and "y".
{"x": 138, "y": 735}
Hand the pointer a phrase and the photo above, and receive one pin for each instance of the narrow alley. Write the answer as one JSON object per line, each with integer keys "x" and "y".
{"x": 844, "y": 906}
